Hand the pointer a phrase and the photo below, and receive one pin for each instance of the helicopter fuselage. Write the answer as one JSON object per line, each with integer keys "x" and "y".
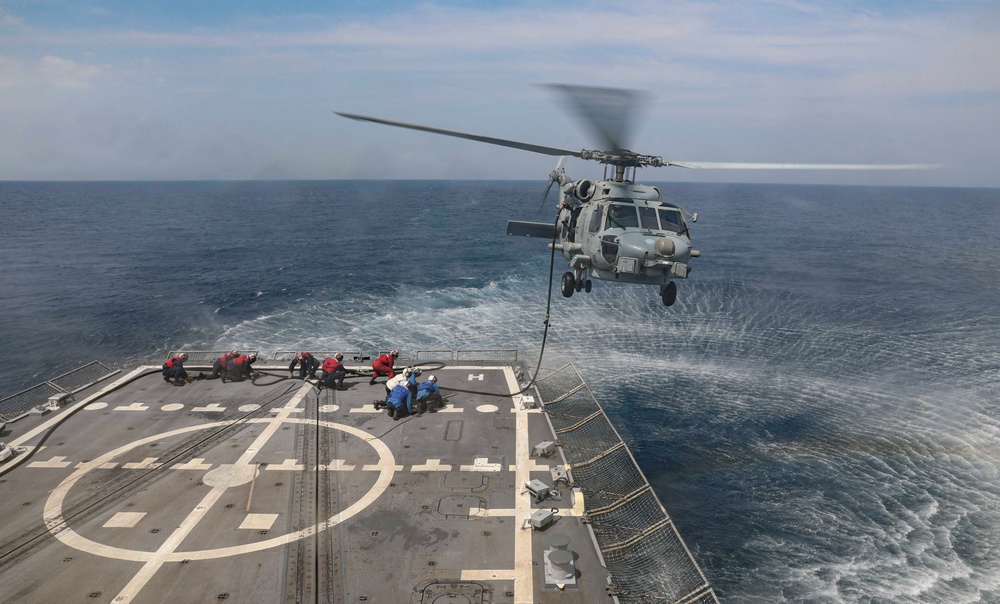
{"x": 618, "y": 231}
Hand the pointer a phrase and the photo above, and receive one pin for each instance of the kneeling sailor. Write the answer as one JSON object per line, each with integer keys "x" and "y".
{"x": 429, "y": 395}
{"x": 334, "y": 372}
{"x": 398, "y": 398}
{"x": 173, "y": 369}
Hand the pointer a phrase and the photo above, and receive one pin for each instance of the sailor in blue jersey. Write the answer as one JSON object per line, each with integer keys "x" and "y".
{"x": 399, "y": 397}
{"x": 429, "y": 395}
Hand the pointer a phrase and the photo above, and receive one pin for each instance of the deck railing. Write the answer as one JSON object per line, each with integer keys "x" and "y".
{"x": 644, "y": 553}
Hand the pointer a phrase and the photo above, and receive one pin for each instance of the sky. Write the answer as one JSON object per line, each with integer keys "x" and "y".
{"x": 193, "y": 90}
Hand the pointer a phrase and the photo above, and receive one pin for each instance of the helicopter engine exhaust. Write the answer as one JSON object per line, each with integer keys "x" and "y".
{"x": 583, "y": 189}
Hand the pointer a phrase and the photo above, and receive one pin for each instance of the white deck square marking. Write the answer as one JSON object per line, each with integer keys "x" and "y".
{"x": 198, "y": 463}
{"x": 476, "y": 376}
{"x": 132, "y": 407}
{"x": 432, "y": 465}
{"x": 146, "y": 464}
{"x": 288, "y": 464}
{"x": 481, "y": 464}
{"x": 211, "y": 408}
{"x": 376, "y": 467}
{"x": 55, "y": 462}
{"x": 369, "y": 408}
{"x": 450, "y": 409}
{"x": 259, "y": 521}
{"x": 111, "y": 465}
{"x": 337, "y": 465}
{"x": 124, "y": 520}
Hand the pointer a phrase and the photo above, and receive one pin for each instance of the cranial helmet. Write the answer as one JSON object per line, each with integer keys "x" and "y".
{"x": 253, "y": 357}
{"x": 407, "y": 372}
{"x": 235, "y": 353}
{"x": 416, "y": 371}
{"x": 433, "y": 379}
{"x": 338, "y": 355}
{"x": 394, "y": 353}
{"x": 184, "y": 356}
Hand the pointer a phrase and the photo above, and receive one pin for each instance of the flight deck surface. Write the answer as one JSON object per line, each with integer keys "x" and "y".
{"x": 274, "y": 491}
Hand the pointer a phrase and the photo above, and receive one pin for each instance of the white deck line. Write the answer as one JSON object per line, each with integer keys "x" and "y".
{"x": 524, "y": 588}
{"x": 522, "y": 574}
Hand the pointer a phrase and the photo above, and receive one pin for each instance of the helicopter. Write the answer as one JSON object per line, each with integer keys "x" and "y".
{"x": 616, "y": 229}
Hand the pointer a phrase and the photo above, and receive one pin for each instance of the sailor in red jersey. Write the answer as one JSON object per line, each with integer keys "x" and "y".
{"x": 173, "y": 369}
{"x": 334, "y": 372}
{"x": 241, "y": 367}
{"x": 307, "y": 364}
{"x": 221, "y": 364}
{"x": 383, "y": 366}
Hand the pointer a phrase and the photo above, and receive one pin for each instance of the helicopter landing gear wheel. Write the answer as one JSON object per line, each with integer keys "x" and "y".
{"x": 668, "y": 293}
{"x": 588, "y": 286}
{"x": 568, "y": 284}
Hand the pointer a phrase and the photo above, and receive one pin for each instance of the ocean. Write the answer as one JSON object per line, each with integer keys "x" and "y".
{"x": 819, "y": 412}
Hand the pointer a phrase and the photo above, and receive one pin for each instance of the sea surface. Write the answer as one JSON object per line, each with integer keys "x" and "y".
{"x": 819, "y": 412}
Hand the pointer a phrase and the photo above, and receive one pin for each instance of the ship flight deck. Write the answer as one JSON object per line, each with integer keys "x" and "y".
{"x": 132, "y": 490}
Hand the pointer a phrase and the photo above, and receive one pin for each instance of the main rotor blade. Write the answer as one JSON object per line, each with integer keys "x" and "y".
{"x": 472, "y": 137}
{"x": 607, "y": 112}
{"x": 711, "y": 165}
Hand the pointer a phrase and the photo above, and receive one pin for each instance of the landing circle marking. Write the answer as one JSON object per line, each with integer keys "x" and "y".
{"x": 57, "y": 525}
{"x": 95, "y": 406}
{"x": 172, "y": 407}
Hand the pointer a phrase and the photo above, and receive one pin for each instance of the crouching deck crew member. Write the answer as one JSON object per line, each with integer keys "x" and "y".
{"x": 307, "y": 365}
{"x": 333, "y": 372}
{"x": 383, "y": 366}
{"x": 399, "y": 399}
{"x": 429, "y": 395}
{"x": 173, "y": 369}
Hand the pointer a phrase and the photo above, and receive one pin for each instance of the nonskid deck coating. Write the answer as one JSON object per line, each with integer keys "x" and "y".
{"x": 271, "y": 493}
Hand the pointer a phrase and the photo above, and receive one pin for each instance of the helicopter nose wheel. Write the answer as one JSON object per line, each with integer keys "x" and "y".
{"x": 668, "y": 293}
{"x": 568, "y": 284}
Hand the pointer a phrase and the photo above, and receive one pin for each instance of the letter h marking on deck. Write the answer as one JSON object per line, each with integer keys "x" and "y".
{"x": 476, "y": 376}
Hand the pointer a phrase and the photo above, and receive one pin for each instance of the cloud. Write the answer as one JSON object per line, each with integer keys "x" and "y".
{"x": 753, "y": 81}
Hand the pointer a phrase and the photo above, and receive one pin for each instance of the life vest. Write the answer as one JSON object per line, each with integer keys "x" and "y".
{"x": 331, "y": 364}
{"x": 224, "y": 359}
{"x": 174, "y": 362}
{"x": 240, "y": 360}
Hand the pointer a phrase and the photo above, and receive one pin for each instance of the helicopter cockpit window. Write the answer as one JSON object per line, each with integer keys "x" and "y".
{"x": 621, "y": 216}
{"x": 671, "y": 220}
{"x": 647, "y": 218}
